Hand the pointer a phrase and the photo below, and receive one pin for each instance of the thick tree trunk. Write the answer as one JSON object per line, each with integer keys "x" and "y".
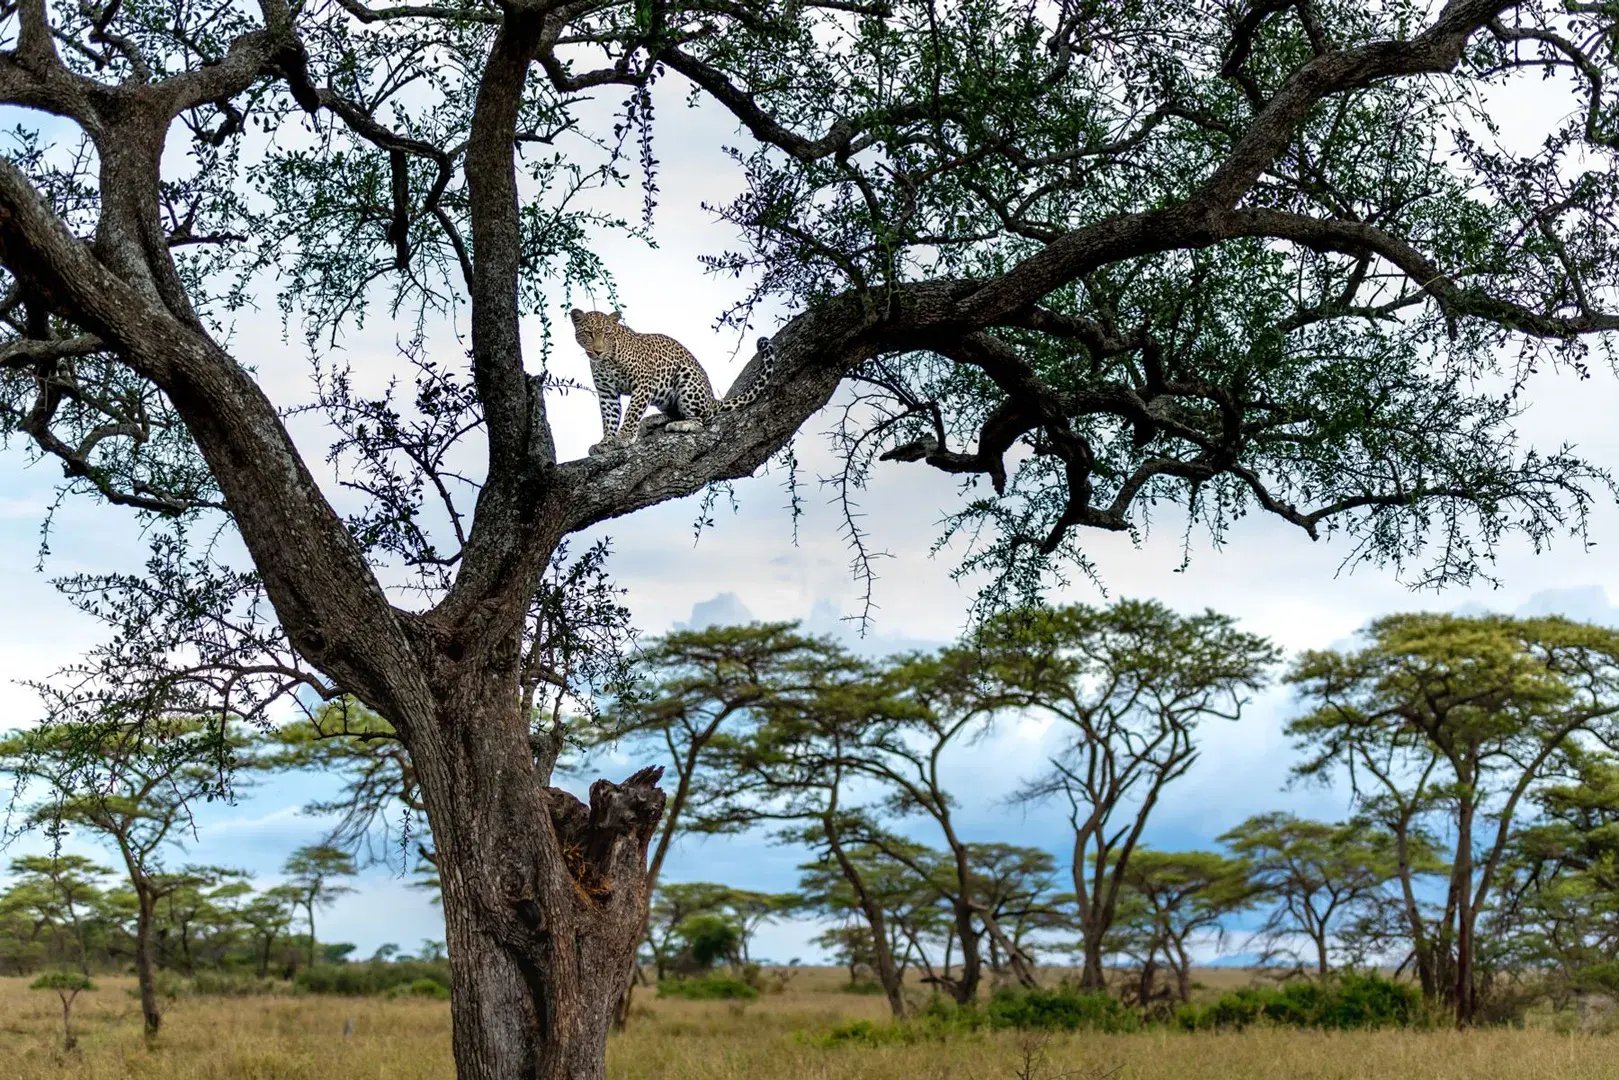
{"x": 544, "y": 897}
{"x": 145, "y": 969}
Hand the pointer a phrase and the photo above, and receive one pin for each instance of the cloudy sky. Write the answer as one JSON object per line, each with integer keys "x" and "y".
{"x": 1271, "y": 577}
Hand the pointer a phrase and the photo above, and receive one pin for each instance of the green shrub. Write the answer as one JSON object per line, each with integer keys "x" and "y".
{"x": 1347, "y": 1002}
{"x": 428, "y": 988}
{"x": 1060, "y": 1009}
{"x": 234, "y": 984}
{"x": 864, "y": 986}
{"x": 943, "y": 1014}
{"x": 376, "y": 977}
{"x": 1371, "y": 1001}
{"x": 708, "y": 988}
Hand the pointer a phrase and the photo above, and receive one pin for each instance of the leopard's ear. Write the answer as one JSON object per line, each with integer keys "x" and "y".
{"x": 617, "y": 316}
{"x": 576, "y": 315}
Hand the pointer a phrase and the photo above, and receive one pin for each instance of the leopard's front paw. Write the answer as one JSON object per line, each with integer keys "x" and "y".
{"x": 606, "y": 446}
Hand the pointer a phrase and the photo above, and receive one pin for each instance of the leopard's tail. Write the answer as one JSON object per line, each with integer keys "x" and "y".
{"x": 766, "y": 355}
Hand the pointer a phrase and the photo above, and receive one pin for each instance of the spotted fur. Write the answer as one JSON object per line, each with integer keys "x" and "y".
{"x": 655, "y": 370}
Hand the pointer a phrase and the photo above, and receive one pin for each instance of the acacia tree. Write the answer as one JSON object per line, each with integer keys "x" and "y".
{"x": 1129, "y": 684}
{"x": 1020, "y": 894}
{"x": 62, "y": 891}
{"x": 795, "y": 770}
{"x": 1463, "y": 717}
{"x": 702, "y": 685}
{"x": 193, "y": 926}
{"x": 1316, "y": 874}
{"x": 1558, "y": 915}
{"x": 312, "y": 872}
{"x": 143, "y": 810}
{"x": 268, "y": 915}
{"x": 871, "y": 895}
{"x": 904, "y": 750}
{"x": 1173, "y": 895}
{"x": 704, "y": 688}
{"x": 1100, "y": 256}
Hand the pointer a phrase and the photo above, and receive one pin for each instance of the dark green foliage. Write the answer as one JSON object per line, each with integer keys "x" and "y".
{"x": 710, "y": 939}
{"x": 225, "y": 984}
{"x": 423, "y": 987}
{"x": 371, "y": 977}
{"x": 708, "y": 988}
{"x": 62, "y": 981}
{"x": 1351, "y": 1002}
{"x": 1064, "y": 1008}
{"x": 861, "y": 986}
{"x": 869, "y": 1033}
{"x": 1060, "y": 1009}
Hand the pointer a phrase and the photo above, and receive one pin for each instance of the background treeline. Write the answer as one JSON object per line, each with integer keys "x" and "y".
{"x": 1479, "y": 860}
{"x": 1475, "y": 873}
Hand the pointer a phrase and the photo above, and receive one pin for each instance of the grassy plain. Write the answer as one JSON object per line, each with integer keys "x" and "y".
{"x": 302, "y": 1038}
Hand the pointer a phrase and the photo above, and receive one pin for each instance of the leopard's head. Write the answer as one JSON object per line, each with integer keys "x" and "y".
{"x": 594, "y": 330}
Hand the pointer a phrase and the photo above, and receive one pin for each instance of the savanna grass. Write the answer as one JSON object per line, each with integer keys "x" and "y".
{"x": 302, "y": 1038}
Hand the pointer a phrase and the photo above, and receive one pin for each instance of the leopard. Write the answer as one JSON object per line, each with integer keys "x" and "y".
{"x": 655, "y": 370}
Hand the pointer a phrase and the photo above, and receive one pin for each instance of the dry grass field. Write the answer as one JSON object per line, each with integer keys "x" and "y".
{"x": 301, "y": 1038}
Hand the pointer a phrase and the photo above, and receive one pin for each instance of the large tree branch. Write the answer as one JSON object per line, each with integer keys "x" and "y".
{"x": 509, "y": 540}
{"x": 1454, "y": 298}
{"x": 1192, "y": 223}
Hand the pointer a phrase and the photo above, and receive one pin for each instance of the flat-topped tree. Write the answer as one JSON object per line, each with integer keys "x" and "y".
{"x": 1098, "y": 255}
{"x": 68, "y": 985}
{"x": 1461, "y": 722}
{"x": 315, "y": 870}
{"x": 133, "y": 789}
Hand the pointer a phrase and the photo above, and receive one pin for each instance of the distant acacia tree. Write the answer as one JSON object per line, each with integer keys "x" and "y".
{"x": 722, "y": 918}
{"x": 892, "y": 917}
{"x": 1318, "y": 876}
{"x": 1091, "y": 258}
{"x": 699, "y": 691}
{"x": 268, "y": 917}
{"x": 315, "y": 872}
{"x": 1128, "y": 684}
{"x": 1172, "y": 897}
{"x": 797, "y": 769}
{"x": 903, "y": 749}
{"x": 140, "y": 810}
{"x": 1461, "y": 718}
{"x": 61, "y": 893}
{"x": 1558, "y": 916}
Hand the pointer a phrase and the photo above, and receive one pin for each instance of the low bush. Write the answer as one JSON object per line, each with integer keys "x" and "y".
{"x": 1060, "y": 1009}
{"x": 1345, "y": 1003}
{"x": 427, "y": 988}
{"x": 707, "y": 988}
{"x": 226, "y": 984}
{"x": 864, "y": 986}
{"x": 372, "y": 978}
